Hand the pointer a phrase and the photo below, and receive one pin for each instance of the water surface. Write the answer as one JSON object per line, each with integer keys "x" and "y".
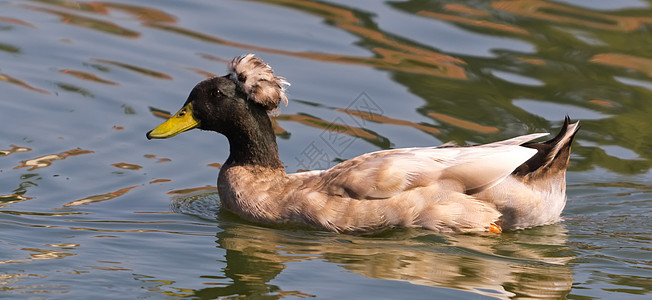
{"x": 90, "y": 208}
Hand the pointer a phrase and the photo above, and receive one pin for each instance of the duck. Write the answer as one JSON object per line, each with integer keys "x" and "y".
{"x": 505, "y": 185}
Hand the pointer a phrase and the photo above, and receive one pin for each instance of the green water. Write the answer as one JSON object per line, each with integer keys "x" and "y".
{"x": 91, "y": 209}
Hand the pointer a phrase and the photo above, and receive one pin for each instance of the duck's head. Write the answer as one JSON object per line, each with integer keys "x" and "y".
{"x": 228, "y": 104}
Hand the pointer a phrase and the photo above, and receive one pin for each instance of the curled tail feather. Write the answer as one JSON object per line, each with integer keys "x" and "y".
{"x": 552, "y": 155}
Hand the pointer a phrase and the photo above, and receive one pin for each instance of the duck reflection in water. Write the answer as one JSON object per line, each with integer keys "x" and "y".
{"x": 524, "y": 263}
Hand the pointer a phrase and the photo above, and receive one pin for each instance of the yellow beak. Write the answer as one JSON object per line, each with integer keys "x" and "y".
{"x": 181, "y": 121}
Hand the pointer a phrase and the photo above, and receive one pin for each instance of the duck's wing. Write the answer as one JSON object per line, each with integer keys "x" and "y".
{"x": 385, "y": 174}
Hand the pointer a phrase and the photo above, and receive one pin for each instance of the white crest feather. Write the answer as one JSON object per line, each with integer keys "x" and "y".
{"x": 257, "y": 80}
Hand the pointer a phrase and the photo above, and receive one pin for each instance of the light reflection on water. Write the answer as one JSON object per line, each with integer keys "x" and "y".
{"x": 85, "y": 201}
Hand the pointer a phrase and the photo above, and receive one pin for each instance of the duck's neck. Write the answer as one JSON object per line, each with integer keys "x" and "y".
{"x": 254, "y": 145}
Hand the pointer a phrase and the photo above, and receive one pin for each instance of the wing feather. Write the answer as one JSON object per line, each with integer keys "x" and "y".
{"x": 385, "y": 174}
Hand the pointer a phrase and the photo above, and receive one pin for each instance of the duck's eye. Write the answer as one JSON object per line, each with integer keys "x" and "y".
{"x": 217, "y": 93}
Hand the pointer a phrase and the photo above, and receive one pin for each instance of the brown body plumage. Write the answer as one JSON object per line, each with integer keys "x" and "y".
{"x": 513, "y": 183}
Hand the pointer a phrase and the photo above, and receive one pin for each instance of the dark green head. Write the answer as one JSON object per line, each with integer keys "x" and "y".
{"x": 230, "y": 104}
{"x": 236, "y": 105}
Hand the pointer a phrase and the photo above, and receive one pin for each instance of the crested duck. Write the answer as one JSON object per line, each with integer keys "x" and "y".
{"x": 505, "y": 185}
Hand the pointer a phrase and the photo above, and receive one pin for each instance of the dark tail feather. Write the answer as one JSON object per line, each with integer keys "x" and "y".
{"x": 551, "y": 155}
{"x": 562, "y": 144}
